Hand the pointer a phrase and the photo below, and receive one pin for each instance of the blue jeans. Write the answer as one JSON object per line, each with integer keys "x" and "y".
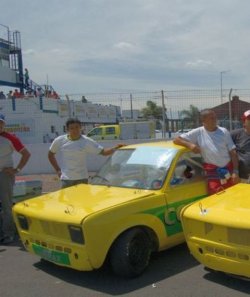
{"x": 7, "y": 226}
{"x": 68, "y": 183}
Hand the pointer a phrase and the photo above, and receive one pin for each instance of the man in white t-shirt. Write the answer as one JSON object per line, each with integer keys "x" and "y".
{"x": 74, "y": 148}
{"x": 217, "y": 149}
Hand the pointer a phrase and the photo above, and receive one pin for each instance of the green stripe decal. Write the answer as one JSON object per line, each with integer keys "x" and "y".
{"x": 170, "y": 214}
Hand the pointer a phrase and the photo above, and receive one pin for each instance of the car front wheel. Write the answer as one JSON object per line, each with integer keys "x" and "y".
{"x": 131, "y": 252}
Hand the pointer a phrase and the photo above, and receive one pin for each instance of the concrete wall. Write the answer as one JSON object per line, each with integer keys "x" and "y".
{"x": 7, "y": 75}
{"x": 39, "y": 164}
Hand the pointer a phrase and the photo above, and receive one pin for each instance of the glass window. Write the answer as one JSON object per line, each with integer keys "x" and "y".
{"x": 188, "y": 169}
{"x": 95, "y": 131}
{"x": 141, "y": 168}
{"x": 110, "y": 130}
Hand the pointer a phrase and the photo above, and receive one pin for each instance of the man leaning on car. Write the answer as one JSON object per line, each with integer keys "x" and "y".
{"x": 217, "y": 149}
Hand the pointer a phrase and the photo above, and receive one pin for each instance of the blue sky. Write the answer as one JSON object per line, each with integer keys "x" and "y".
{"x": 113, "y": 45}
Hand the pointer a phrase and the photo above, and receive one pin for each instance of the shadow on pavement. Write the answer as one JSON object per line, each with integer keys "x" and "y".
{"x": 163, "y": 265}
{"x": 235, "y": 283}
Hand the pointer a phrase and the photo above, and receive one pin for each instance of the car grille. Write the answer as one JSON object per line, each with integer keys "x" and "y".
{"x": 54, "y": 229}
{"x": 43, "y": 229}
{"x": 232, "y": 243}
{"x": 226, "y": 253}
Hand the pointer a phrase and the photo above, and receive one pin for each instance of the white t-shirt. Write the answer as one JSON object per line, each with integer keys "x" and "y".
{"x": 215, "y": 146}
{"x": 73, "y": 155}
{"x": 8, "y": 144}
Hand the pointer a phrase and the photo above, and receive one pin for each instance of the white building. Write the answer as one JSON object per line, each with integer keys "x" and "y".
{"x": 40, "y": 120}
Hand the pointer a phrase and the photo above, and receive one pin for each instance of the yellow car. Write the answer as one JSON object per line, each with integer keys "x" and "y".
{"x": 130, "y": 209}
{"x": 217, "y": 230}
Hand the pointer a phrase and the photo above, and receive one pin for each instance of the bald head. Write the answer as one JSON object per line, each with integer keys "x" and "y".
{"x": 209, "y": 120}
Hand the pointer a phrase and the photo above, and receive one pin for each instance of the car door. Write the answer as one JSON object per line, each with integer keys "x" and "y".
{"x": 186, "y": 184}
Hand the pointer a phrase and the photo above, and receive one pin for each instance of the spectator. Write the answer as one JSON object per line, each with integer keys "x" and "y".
{"x": 16, "y": 94}
{"x": 216, "y": 146}
{"x": 26, "y": 78}
{"x": 10, "y": 95}
{"x": 39, "y": 92}
{"x": 55, "y": 95}
{"x": 2, "y": 96}
{"x": 241, "y": 138}
{"x": 84, "y": 100}
{"x": 74, "y": 147}
{"x": 46, "y": 138}
{"x": 8, "y": 143}
{"x": 49, "y": 94}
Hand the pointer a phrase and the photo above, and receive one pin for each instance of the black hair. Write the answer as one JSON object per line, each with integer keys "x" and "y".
{"x": 72, "y": 121}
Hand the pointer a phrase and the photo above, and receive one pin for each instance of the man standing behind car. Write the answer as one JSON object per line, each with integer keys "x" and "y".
{"x": 74, "y": 147}
{"x": 217, "y": 149}
{"x": 241, "y": 138}
{"x": 8, "y": 143}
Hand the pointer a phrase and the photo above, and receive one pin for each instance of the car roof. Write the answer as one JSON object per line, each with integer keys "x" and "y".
{"x": 183, "y": 130}
{"x": 161, "y": 144}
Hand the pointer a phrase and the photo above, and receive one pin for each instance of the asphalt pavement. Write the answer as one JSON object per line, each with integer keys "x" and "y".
{"x": 171, "y": 273}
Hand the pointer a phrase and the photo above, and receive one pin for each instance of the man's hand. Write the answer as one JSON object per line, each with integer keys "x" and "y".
{"x": 192, "y": 146}
{"x": 120, "y": 145}
{"x": 195, "y": 148}
{"x": 10, "y": 171}
{"x": 235, "y": 178}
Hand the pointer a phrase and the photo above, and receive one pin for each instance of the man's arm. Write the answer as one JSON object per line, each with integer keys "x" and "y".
{"x": 188, "y": 144}
{"x": 110, "y": 151}
{"x": 53, "y": 162}
{"x": 235, "y": 161}
{"x": 25, "y": 155}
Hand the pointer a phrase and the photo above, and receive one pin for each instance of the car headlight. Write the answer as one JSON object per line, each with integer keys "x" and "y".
{"x": 76, "y": 234}
{"x": 23, "y": 222}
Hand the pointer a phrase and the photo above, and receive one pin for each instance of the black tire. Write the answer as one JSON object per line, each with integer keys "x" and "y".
{"x": 131, "y": 252}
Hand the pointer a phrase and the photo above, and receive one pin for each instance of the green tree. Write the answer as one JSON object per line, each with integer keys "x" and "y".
{"x": 152, "y": 111}
{"x": 192, "y": 116}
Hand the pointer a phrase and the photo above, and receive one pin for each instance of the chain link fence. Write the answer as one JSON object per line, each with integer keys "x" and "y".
{"x": 38, "y": 119}
{"x": 178, "y": 106}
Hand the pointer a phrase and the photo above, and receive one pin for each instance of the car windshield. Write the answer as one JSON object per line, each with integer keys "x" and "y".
{"x": 140, "y": 168}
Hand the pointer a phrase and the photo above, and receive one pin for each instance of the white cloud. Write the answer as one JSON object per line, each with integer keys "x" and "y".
{"x": 124, "y": 45}
{"x": 198, "y": 63}
{"x": 28, "y": 52}
{"x": 96, "y": 44}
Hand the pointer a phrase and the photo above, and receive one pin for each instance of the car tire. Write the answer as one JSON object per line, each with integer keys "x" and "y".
{"x": 131, "y": 252}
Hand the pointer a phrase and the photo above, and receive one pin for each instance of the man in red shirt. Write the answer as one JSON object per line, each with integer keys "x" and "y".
{"x": 8, "y": 144}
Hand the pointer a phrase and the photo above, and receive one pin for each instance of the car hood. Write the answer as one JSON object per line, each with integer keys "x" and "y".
{"x": 73, "y": 204}
{"x": 229, "y": 207}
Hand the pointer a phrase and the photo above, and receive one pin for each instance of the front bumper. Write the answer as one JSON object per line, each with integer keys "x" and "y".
{"x": 57, "y": 251}
{"x": 221, "y": 257}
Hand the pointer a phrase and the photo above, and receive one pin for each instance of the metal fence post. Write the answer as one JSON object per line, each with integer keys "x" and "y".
{"x": 131, "y": 106}
{"x": 163, "y": 116}
{"x": 230, "y": 109}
